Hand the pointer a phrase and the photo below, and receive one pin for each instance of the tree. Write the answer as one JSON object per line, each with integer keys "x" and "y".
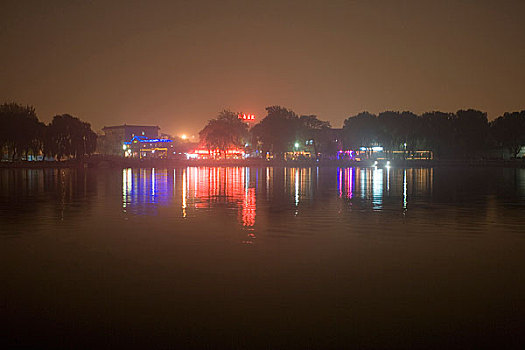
{"x": 509, "y": 131}
{"x": 389, "y": 130}
{"x": 223, "y": 132}
{"x": 437, "y": 131}
{"x": 278, "y": 131}
{"x": 471, "y": 129}
{"x": 20, "y": 129}
{"x": 68, "y": 136}
{"x": 316, "y": 131}
{"x": 361, "y": 130}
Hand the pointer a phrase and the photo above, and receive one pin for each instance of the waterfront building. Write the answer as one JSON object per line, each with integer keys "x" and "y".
{"x": 112, "y": 142}
{"x": 143, "y": 147}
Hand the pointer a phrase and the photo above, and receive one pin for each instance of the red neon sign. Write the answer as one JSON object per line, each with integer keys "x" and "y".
{"x": 247, "y": 116}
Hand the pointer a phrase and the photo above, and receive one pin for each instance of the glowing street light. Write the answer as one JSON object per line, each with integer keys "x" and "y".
{"x": 184, "y": 136}
{"x": 296, "y": 145}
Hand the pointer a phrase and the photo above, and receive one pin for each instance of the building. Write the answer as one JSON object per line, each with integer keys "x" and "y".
{"x": 143, "y": 147}
{"x": 112, "y": 142}
{"x": 203, "y": 153}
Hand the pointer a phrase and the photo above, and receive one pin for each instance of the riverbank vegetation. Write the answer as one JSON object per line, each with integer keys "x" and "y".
{"x": 466, "y": 134}
{"x": 24, "y": 137}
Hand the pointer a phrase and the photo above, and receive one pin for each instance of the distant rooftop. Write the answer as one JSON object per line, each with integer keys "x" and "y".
{"x": 143, "y": 139}
{"x": 131, "y": 126}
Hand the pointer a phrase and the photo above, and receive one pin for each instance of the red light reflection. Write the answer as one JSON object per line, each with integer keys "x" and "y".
{"x": 208, "y": 187}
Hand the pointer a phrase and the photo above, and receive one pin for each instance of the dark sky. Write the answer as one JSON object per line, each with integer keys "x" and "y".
{"x": 177, "y": 63}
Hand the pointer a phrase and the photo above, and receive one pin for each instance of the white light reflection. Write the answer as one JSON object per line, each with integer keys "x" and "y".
{"x": 246, "y": 178}
{"x": 296, "y": 187}
{"x": 405, "y": 189}
{"x": 377, "y": 188}
{"x": 362, "y": 182}
{"x": 317, "y": 177}
{"x": 388, "y": 178}
{"x": 124, "y": 187}
{"x": 127, "y": 182}
{"x": 153, "y": 184}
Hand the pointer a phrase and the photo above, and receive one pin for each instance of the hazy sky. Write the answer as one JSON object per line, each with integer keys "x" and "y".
{"x": 178, "y": 63}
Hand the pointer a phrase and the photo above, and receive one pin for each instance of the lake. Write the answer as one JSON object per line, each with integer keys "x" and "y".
{"x": 263, "y": 257}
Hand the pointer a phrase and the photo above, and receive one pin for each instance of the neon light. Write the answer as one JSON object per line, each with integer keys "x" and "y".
{"x": 143, "y": 139}
{"x": 214, "y": 153}
{"x": 246, "y": 116}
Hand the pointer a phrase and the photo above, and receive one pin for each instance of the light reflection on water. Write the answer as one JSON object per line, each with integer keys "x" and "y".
{"x": 242, "y": 192}
{"x": 199, "y": 188}
{"x": 196, "y": 189}
{"x": 314, "y": 251}
{"x": 205, "y": 188}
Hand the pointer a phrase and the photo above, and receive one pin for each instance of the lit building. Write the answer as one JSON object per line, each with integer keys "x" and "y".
{"x": 112, "y": 142}
{"x": 230, "y": 153}
{"x": 143, "y": 147}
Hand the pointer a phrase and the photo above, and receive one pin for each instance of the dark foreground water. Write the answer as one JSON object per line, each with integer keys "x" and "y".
{"x": 263, "y": 257}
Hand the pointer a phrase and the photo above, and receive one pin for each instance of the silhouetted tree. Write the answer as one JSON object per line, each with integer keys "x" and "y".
{"x": 223, "y": 132}
{"x": 471, "y": 132}
{"x": 278, "y": 131}
{"x": 437, "y": 131}
{"x": 410, "y": 132}
{"x": 389, "y": 130}
{"x": 20, "y": 130}
{"x": 361, "y": 130}
{"x": 509, "y": 131}
{"x": 68, "y": 136}
{"x": 37, "y": 144}
{"x": 316, "y": 131}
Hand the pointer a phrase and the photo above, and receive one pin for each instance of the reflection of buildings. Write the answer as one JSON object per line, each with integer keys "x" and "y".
{"x": 378, "y": 185}
{"x": 144, "y": 190}
{"x": 298, "y": 182}
{"x": 211, "y": 187}
{"x": 232, "y": 191}
{"x": 378, "y": 153}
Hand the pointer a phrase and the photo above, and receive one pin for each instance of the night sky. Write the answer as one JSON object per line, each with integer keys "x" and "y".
{"x": 176, "y": 64}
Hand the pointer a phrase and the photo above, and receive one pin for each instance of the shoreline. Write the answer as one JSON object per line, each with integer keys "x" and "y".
{"x": 101, "y": 163}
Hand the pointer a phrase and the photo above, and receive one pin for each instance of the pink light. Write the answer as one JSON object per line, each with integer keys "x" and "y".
{"x": 247, "y": 116}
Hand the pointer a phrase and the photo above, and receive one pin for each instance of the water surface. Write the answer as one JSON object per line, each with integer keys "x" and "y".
{"x": 263, "y": 257}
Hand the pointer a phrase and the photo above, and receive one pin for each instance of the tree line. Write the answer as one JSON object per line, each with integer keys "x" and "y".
{"x": 464, "y": 134}
{"x": 277, "y": 133}
{"x": 22, "y": 135}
